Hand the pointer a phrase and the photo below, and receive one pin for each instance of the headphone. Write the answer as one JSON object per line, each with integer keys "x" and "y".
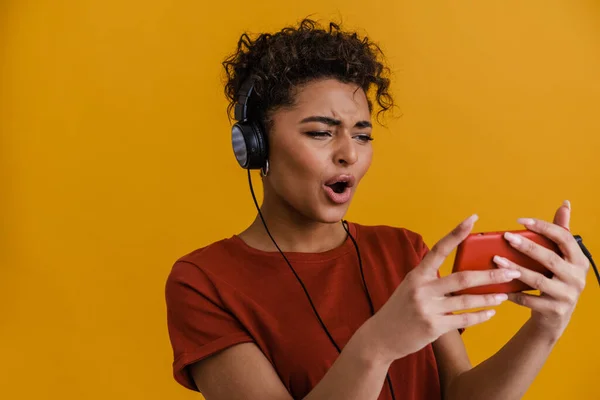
{"x": 247, "y": 134}
{"x": 250, "y": 148}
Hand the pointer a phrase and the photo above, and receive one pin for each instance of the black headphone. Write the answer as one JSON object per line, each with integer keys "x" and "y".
{"x": 247, "y": 134}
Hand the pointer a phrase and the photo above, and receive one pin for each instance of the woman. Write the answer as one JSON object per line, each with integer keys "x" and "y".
{"x": 303, "y": 305}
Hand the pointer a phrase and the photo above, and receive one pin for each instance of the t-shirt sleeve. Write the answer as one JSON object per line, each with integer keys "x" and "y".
{"x": 199, "y": 324}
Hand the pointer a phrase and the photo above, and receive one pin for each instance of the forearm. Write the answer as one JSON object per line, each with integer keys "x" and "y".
{"x": 357, "y": 374}
{"x": 509, "y": 373}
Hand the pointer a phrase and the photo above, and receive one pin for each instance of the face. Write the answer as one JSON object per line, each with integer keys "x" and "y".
{"x": 319, "y": 150}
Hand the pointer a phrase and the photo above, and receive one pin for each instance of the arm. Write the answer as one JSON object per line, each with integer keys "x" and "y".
{"x": 506, "y": 375}
{"x": 509, "y": 373}
{"x": 417, "y": 314}
{"x": 243, "y": 372}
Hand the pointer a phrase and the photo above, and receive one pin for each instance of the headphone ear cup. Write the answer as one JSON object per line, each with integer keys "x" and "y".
{"x": 249, "y": 145}
{"x": 262, "y": 147}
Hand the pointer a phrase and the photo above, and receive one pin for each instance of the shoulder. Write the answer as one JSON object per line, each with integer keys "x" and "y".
{"x": 394, "y": 250}
{"x": 201, "y": 264}
{"x": 402, "y": 239}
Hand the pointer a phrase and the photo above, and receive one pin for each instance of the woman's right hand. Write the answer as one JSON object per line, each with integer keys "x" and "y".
{"x": 420, "y": 309}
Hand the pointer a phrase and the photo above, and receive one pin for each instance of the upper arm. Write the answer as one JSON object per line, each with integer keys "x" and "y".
{"x": 205, "y": 333}
{"x": 451, "y": 356}
{"x": 238, "y": 372}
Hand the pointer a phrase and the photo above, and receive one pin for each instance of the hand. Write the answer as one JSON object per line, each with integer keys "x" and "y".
{"x": 420, "y": 310}
{"x": 552, "y": 310}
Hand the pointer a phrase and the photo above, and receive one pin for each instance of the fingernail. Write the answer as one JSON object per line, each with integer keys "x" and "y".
{"x": 512, "y": 273}
{"x": 511, "y": 237}
{"x": 469, "y": 221}
{"x": 503, "y": 262}
{"x": 501, "y": 297}
{"x": 567, "y": 204}
{"x": 490, "y": 313}
{"x": 526, "y": 221}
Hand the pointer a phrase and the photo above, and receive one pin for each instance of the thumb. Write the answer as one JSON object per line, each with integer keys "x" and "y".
{"x": 562, "y": 217}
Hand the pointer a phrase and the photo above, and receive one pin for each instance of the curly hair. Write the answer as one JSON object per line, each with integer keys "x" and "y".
{"x": 281, "y": 62}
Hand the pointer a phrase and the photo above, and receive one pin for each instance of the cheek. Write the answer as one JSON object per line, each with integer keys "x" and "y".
{"x": 300, "y": 164}
{"x": 365, "y": 162}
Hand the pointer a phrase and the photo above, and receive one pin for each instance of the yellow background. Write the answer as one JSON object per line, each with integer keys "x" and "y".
{"x": 115, "y": 159}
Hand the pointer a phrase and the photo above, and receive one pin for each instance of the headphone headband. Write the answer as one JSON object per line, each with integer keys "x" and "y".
{"x": 241, "y": 107}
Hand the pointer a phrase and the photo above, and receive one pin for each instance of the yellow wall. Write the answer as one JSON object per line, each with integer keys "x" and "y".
{"x": 115, "y": 159}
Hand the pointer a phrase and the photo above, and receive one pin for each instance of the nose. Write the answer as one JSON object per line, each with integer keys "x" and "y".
{"x": 345, "y": 153}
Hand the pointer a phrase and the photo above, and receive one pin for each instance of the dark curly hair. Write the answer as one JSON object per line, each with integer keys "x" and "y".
{"x": 280, "y": 62}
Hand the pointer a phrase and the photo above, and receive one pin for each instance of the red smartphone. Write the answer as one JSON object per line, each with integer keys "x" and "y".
{"x": 476, "y": 253}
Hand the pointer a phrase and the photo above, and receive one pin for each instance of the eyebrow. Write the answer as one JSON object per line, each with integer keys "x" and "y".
{"x": 334, "y": 122}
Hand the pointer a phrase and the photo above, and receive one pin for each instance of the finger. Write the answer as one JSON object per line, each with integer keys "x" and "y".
{"x": 552, "y": 287}
{"x": 548, "y": 258}
{"x": 562, "y": 237}
{"x": 541, "y": 304}
{"x": 470, "y": 301}
{"x": 468, "y": 279}
{"x": 442, "y": 249}
{"x": 464, "y": 320}
{"x": 562, "y": 217}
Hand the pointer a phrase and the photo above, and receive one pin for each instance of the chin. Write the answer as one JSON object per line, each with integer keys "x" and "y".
{"x": 317, "y": 209}
{"x": 330, "y": 214}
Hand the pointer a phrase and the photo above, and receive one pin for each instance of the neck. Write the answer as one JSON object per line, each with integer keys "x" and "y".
{"x": 293, "y": 233}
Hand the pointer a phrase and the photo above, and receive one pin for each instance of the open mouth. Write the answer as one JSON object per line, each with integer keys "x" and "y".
{"x": 338, "y": 187}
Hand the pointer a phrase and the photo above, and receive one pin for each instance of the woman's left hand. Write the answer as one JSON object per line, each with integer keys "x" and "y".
{"x": 552, "y": 310}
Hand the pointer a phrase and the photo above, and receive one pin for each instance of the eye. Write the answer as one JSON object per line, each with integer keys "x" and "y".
{"x": 319, "y": 134}
{"x": 364, "y": 138}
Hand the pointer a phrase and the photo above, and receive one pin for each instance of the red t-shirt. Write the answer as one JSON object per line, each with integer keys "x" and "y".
{"x": 229, "y": 293}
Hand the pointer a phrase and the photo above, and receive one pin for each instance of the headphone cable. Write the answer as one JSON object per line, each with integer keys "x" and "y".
{"x": 302, "y": 284}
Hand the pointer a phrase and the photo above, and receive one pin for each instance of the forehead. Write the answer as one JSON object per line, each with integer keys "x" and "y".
{"x": 330, "y": 97}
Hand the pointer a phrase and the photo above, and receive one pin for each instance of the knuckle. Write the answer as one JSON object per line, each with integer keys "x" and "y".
{"x": 465, "y": 319}
{"x": 580, "y": 285}
{"x": 439, "y": 249}
{"x": 565, "y": 236}
{"x": 420, "y": 308}
{"x": 413, "y": 293}
{"x": 497, "y": 275}
{"x": 463, "y": 280}
{"x": 414, "y": 279}
{"x": 573, "y": 297}
{"x": 586, "y": 262}
{"x": 545, "y": 228}
{"x": 429, "y": 326}
{"x": 540, "y": 282}
{"x": 557, "y": 310}
{"x": 457, "y": 231}
{"x": 529, "y": 246}
{"x": 500, "y": 275}
{"x": 553, "y": 261}
{"x": 466, "y": 302}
